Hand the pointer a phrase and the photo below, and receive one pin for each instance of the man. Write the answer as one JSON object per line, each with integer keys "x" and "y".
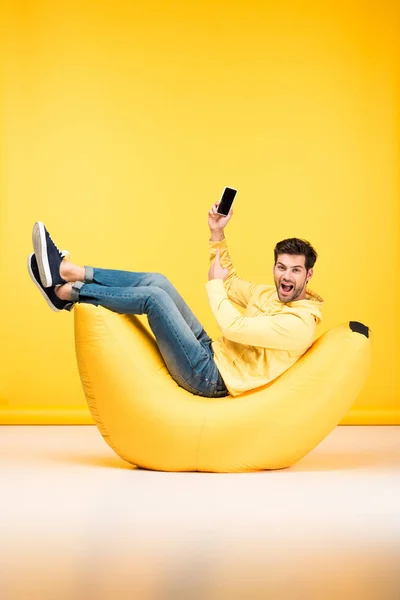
{"x": 277, "y": 328}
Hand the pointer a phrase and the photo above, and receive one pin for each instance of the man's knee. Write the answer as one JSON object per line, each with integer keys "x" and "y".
{"x": 161, "y": 281}
{"x": 157, "y": 297}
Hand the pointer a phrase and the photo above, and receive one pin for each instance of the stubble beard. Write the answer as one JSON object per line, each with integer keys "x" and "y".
{"x": 293, "y": 295}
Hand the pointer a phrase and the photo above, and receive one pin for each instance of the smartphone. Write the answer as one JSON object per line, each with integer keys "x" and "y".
{"x": 225, "y": 203}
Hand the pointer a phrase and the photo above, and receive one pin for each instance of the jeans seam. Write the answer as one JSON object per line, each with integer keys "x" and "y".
{"x": 182, "y": 346}
{"x": 196, "y": 373}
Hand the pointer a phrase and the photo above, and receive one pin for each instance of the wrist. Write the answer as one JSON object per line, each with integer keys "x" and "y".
{"x": 217, "y": 235}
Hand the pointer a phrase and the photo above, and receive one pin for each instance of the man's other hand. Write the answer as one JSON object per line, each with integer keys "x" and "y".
{"x": 217, "y": 271}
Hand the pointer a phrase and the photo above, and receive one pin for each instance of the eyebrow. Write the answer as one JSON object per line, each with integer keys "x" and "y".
{"x": 294, "y": 266}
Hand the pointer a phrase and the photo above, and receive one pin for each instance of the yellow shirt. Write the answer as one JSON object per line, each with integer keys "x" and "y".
{"x": 270, "y": 337}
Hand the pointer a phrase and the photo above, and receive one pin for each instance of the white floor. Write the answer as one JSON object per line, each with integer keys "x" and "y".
{"x": 76, "y": 522}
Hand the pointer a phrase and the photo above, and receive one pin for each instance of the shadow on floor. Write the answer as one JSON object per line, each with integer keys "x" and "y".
{"x": 329, "y": 461}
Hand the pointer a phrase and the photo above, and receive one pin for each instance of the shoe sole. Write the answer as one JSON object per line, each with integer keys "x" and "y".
{"x": 40, "y": 247}
{"x": 41, "y": 290}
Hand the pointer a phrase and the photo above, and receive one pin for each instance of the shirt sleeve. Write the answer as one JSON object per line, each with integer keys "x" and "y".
{"x": 285, "y": 331}
{"x": 238, "y": 290}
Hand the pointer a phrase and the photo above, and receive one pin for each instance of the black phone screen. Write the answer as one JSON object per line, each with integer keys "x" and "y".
{"x": 226, "y": 201}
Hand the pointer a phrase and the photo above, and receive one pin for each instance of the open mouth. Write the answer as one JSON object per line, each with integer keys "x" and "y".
{"x": 286, "y": 289}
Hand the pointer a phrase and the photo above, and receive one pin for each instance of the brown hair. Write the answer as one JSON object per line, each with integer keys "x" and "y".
{"x": 297, "y": 246}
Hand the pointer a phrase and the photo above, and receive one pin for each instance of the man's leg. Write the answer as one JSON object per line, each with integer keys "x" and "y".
{"x": 189, "y": 361}
{"x": 114, "y": 278}
{"x": 54, "y": 270}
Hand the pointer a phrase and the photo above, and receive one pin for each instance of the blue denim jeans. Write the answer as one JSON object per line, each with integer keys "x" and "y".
{"x": 181, "y": 339}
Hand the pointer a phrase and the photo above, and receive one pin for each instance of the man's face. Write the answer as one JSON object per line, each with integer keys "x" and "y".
{"x": 291, "y": 277}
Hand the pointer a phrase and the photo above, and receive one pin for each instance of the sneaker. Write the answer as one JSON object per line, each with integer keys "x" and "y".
{"x": 48, "y": 293}
{"x": 48, "y": 256}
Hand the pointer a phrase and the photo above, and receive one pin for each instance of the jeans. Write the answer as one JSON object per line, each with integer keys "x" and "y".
{"x": 181, "y": 339}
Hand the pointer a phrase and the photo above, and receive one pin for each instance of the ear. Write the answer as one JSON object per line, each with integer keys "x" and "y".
{"x": 310, "y": 274}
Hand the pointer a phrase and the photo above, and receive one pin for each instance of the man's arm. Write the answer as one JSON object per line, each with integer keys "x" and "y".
{"x": 238, "y": 290}
{"x": 284, "y": 331}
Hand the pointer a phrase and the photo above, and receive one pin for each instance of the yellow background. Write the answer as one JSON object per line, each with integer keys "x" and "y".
{"x": 121, "y": 123}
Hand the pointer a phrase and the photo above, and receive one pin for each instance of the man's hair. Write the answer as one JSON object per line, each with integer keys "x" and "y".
{"x": 297, "y": 246}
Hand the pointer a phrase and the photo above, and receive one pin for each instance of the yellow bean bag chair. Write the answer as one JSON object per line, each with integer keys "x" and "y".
{"x": 150, "y": 421}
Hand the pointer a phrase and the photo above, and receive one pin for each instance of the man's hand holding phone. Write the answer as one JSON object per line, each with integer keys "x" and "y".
{"x": 219, "y": 216}
{"x": 217, "y": 222}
